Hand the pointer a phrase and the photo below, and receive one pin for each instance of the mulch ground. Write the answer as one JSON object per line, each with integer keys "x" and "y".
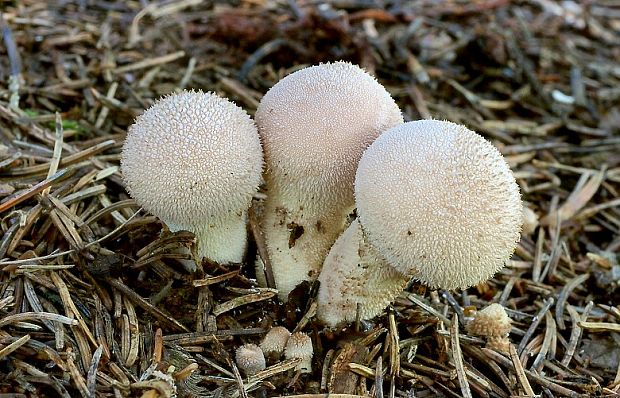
{"x": 93, "y": 301}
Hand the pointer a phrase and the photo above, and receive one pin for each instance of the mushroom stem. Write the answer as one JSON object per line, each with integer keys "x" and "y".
{"x": 300, "y": 232}
{"x": 224, "y": 241}
{"x": 353, "y": 274}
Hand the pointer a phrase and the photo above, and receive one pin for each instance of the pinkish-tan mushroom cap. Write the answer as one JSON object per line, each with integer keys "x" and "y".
{"x": 490, "y": 322}
{"x": 316, "y": 122}
{"x": 299, "y": 345}
{"x": 275, "y": 340}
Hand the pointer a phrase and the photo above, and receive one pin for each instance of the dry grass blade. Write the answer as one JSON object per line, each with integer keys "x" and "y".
{"x": 457, "y": 357}
{"x": 34, "y": 316}
{"x": 260, "y": 295}
{"x": 520, "y": 372}
{"x": 14, "y": 346}
{"x": 29, "y": 193}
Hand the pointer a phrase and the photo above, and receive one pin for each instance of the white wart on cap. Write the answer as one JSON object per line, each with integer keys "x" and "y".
{"x": 194, "y": 160}
{"x": 314, "y": 125}
{"x": 435, "y": 201}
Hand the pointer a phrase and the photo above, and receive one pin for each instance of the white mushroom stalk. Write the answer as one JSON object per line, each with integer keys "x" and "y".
{"x": 356, "y": 280}
{"x": 314, "y": 125}
{"x": 435, "y": 201}
{"x": 194, "y": 160}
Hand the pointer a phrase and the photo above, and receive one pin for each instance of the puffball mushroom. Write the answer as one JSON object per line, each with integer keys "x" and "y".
{"x": 250, "y": 359}
{"x": 314, "y": 125}
{"x": 194, "y": 160}
{"x": 436, "y": 202}
{"x": 275, "y": 341}
{"x": 492, "y": 323}
{"x": 299, "y": 345}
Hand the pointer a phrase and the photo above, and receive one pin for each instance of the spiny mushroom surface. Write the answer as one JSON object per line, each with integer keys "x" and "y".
{"x": 275, "y": 341}
{"x": 437, "y": 202}
{"x": 314, "y": 125}
{"x": 250, "y": 359}
{"x": 194, "y": 160}
{"x": 492, "y": 323}
{"x": 299, "y": 345}
{"x": 438, "y": 199}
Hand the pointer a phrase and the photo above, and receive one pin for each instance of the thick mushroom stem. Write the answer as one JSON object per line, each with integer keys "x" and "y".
{"x": 223, "y": 241}
{"x": 299, "y": 231}
{"x": 356, "y": 280}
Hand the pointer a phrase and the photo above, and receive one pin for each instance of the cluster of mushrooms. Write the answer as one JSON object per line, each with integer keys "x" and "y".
{"x": 252, "y": 358}
{"x": 433, "y": 200}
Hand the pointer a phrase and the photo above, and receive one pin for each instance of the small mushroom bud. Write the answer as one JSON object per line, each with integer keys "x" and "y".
{"x": 299, "y": 345}
{"x": 494, "y": 325}
{"x": 436, "y": 202}
{"x": 194, "y": 160}
{"x": 250, "y": 359}
{"x": 275, "y": 341}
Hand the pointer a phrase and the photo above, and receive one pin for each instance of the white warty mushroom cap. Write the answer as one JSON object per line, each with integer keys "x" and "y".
{"x": 316, "y": 122}
{"x": 275, "y": 340}
{"x": 491, "y": 321}
{"x": 250, "y": 359}
{"x": 192, "y": 158}
{"x": 439, "y": 202}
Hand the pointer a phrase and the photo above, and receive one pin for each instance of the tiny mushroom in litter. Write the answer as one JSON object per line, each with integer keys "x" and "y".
{"x": 492, "y": 323}
{"x": 274, "y": 342}
{"x": 299, "y": 345}
{"x": 250, "y": 359}
{"x": 435, "y": 202}
{"x": 194, "y": 160}
{"x": 314, "y": 125}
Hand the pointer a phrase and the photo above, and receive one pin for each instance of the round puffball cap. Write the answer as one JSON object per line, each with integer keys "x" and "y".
{"x": 192, "y": 158}
{"x": 275, "y": 340}
{"x": 316, "y": 122}
{"x": 439, "y": 202}
{"x": 491, "y": 322}
{"x": 250, "y": 359}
